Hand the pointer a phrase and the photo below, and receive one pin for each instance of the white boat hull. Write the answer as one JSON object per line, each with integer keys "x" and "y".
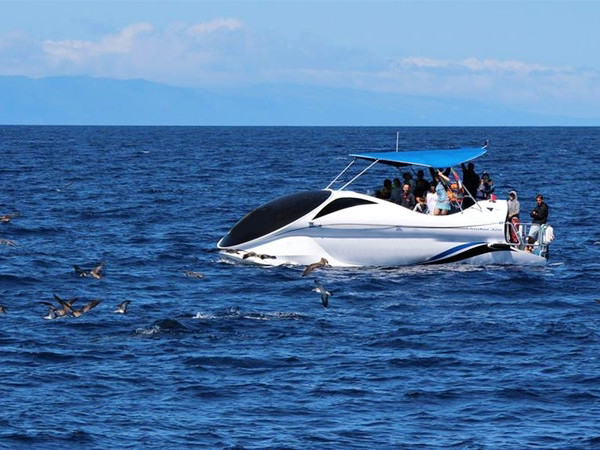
{"x": 375, "y": 232}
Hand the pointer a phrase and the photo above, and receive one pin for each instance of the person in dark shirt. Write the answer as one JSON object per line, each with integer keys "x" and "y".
{"x": 407, "y": 198}
{"x": 421, "y": 185}
{"x": 539, "y": 216}
{"x": 471, "y": 183}
{"x": 386, "y": 192}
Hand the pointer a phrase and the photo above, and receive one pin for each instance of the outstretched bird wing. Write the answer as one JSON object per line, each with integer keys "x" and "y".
{"x": 90, "y": 305}
{"x": 96, "y": 270}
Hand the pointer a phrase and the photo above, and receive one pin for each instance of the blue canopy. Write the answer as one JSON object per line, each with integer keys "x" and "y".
{"x": 425, "y": 158}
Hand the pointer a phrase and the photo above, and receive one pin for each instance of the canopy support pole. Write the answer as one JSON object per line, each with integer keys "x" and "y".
{"x": 350, "y": 182}
{"x": 341, "y": 173}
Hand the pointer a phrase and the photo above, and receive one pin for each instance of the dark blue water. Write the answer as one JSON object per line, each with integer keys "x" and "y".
{"x": 419, "y": 357}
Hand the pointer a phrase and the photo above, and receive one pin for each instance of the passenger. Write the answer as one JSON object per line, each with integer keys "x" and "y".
{"x": 491, "y": 190}
{"x": 408, "y": 179}
{"x": 421, "y": 206}
{"x": 540, "y": 217}
{"x": 407, "y": 199}
{"x": 385, "y": 192}
{"x": 471, "y": 183}
{"x": 396, "y": 191}
{"x": 421, "y": 185}
{"x": 514, "y": 209}
{"x": 442, "y": 206}
{"x": 431, "y": 198}
{"x": 485, "y": 188}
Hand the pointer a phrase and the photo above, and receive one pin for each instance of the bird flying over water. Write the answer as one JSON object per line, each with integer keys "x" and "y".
{"x": 86, "y": 308}
{"x": 94, "y": 273}
{"x": 321, "y": 263}
{"x": 63, "y": 310}
{"x": 325, "y": 294}
{"x": 122, "y": 307}
{"x": 9, "y": 242}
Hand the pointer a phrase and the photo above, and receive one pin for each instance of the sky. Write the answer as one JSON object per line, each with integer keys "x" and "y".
{"x": 536, "y": 56}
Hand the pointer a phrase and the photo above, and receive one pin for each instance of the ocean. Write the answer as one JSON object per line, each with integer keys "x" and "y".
{"x": 452, "y": 356}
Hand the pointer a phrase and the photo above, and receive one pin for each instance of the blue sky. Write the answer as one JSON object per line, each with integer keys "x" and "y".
{"x": 537, "y": 56}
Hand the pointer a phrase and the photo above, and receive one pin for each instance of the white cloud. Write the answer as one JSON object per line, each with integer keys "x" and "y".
{"x": 215, "y": 25}
{"x": 79, "y": 51}
{"x": 475, "y": 64}
{"x": 227, "y": 52}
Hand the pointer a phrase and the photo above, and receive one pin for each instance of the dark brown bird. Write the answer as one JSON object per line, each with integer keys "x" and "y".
{"x": 86, "y": 308}
{"x": 321, "y": 263}
{"x": 2, "y": 309}
{"x": 94, "y": 273}
{"x": 64, "y": 309}
{"x": 5, "y": 218}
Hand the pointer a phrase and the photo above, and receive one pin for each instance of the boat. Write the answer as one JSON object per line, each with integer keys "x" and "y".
{"x": 353, "y": 229}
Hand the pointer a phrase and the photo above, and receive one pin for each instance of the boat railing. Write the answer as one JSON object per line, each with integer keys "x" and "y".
{"x": 517, "y": 236}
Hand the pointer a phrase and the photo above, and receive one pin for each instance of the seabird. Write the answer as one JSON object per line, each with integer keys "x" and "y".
{"x": 2, "y": 309}
{"x": 122, "y": 307}
{"x": 325, "y": 294}
{"x": 51, "y": 315}
{"x": 8, "y": 242}
{"x": 94, "y": 273}
{"x": 60, "y": 312}
{"x": 80, "y": 312}
{"x": 322, "y": 262}
{"x": 190, "y": 274}
{"x": 53, "y": 311}
{"x": 257, "y": 255}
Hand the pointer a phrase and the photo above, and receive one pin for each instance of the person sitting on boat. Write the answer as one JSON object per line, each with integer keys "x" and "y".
{"x": 514, "y": 209}
{"x": 408, "y": 179}
{"x": 540, "y": 217}
{"x": 407, "y": 199}
{"x": 396, "y": 191}
{"x": 421, "y": 206}
{"x": 386, "y": 191}
{"x": 442, "y": 206}
{"x": 486, "y": 187}
{"x": 431, "y": 198}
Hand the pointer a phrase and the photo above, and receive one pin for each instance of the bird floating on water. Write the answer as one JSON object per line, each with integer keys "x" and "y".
{"x": 321, "y": 263}
{"x": 122, "y": 307}
{"x": 94, "y": 273}
{"x": 325, "y": 294}
{"x": 2, "y": 309}
{"x": 190, "y": 274}
{"x": 6, "y": 218}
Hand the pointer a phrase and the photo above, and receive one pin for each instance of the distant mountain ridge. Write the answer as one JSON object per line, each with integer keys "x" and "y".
{"x": 106, "y": 101}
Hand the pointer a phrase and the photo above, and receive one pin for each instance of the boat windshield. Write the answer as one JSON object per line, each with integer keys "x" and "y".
{"x": 272, "y": 216}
